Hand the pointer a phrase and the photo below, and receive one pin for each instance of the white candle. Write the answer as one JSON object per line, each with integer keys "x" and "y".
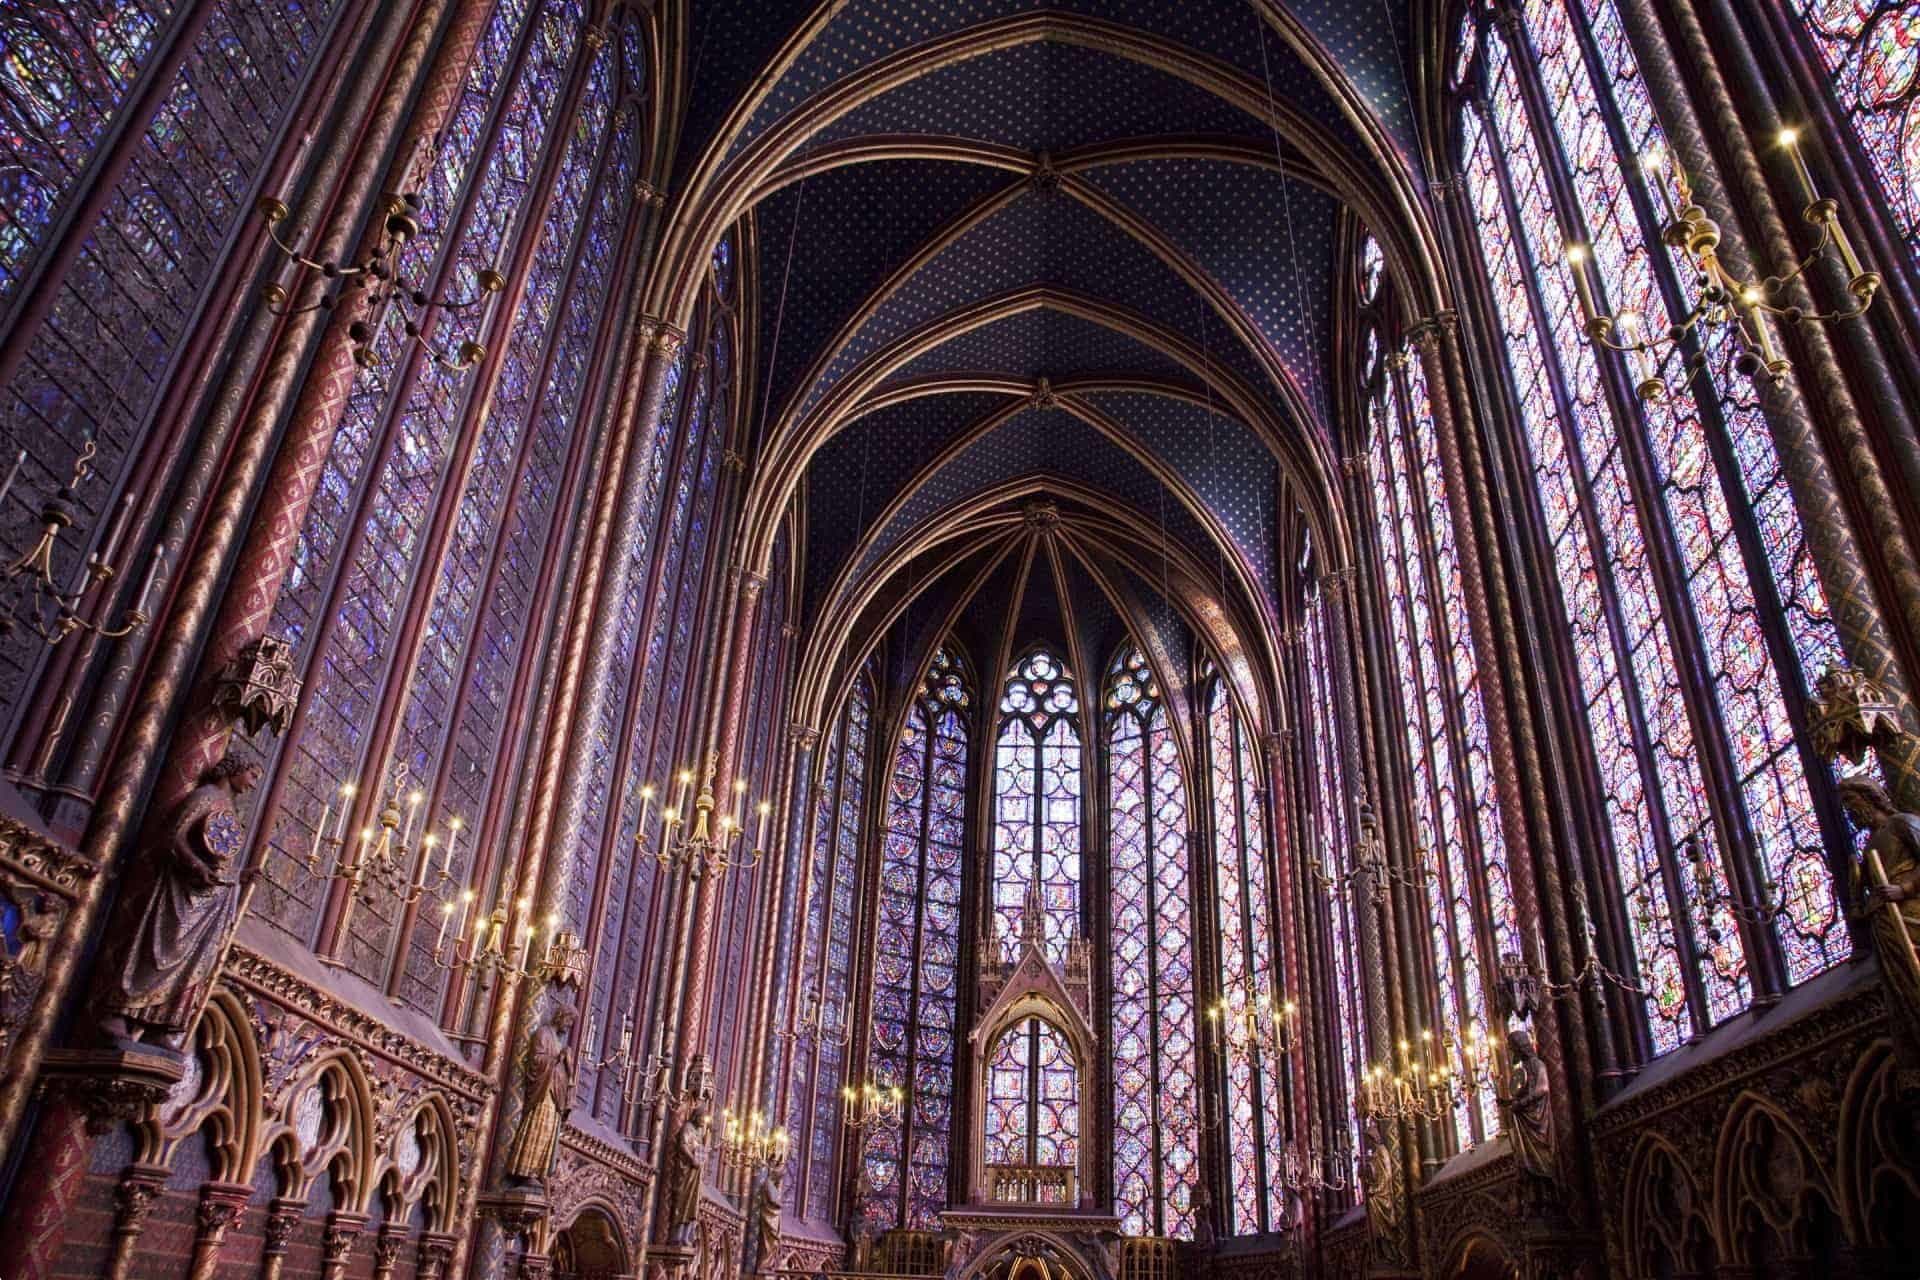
{"x": 626, "y": 1033}
{"x": 413, "y": 814}
{"x": 110, "y": 545}
{"x": 446, "y": 922}
{"x": 320, "y": 833}
{"x": 646, "y": 805}
{"x": 460, "y": 930}
{"x": 426, "y": 859}
{"x": 146, "y": 587}
{"x": 453, "y": 835}
{"x": 6, "y": 486}
{"x": 686, "y": 781}
{"x": 765, "y": 811}
{"x": 346, "y": 803}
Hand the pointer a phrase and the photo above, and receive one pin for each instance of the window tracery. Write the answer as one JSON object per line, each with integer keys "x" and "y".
{"x": 1155, "y": 1091}
{"x": 1037, "y": 788}
{"x": 1249, "y": 967}
{"x": 915, "y": 985}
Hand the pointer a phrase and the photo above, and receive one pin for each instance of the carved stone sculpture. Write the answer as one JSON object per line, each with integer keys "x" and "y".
{"x": 1386, "y": 1221}
{"x": 177, "y": 911}
{"x": 1527, "y": 1107}
{"x": 1887, "y": 884}
{"x": 686, "y": 1167}
{"x": 770, "y": 1201}
{"x": 547, "y": 1099}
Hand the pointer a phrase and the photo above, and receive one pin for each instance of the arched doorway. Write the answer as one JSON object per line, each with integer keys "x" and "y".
{"x": 589, "y": 1249}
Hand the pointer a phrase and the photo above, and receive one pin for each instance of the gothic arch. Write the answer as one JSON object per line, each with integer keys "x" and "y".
{"x": 1771, "y": 1194}
{"x": 1665, "y": 1223}
{"x": 1877, "y": 1164}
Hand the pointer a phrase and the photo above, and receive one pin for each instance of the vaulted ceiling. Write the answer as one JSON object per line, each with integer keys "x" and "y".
{"x": 1047, "y": 302}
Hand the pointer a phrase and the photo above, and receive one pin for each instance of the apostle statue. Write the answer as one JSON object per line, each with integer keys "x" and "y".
{"x": 770, "y": 1199}
{"x": 547, "y": 1097}
{"x": 1887, "y": 881}
{"x": 178, "y": 904}
{"x": 686, "y": 1168}
{"x": 1527, "y": 1107}
{"x": 1386, "y": 1221}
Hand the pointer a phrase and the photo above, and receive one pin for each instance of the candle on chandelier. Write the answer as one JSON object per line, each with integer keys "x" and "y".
{"x": 346, "y": 803}
{"x": 145, "y": 597}
{"x": 646, "y": 805}
{"x": 13, "y": 472}
{"x": 360, "y": 854}
{"x": 765, "y": 811}
{"x": 319, "y": 835}
{"x": 110, "y": 545}
{"x": 686, "y": 781}
{"x": 1790, "y": 143}
{"x": 446, "y": 922}
{"x": 1582, "y": 285}
{"x": 454, "y": 826}
{"x": 1654, "y": 166}
{"x": 626, "y": 1034}
{"x": 460, "y": 929}
{"x": 413, "y": 814}
{"x": 592, "y": 1038}
{"x": 426, "y": 860}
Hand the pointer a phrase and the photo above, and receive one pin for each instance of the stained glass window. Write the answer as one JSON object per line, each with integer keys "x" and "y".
{"x": 416, "y": 440}
{"x": 122, "y": 307}
{"x": 1871, "y": 49}
{"x": 1036, "y": 835}
{"x": 1739, "y": 600}
{"x": 1460, "y": 847}
{"x": 1249, "y": 968}
{"x": 1155, "y": 1096}
{"x": 1033, "y": 1103}
{"x": 826, "y": 960}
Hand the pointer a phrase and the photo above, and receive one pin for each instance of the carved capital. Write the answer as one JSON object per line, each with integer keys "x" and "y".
{"x": 220, "y": 1207}
{"x": 134, "y": 1197}
{"x": 667, "y": 341}
{"x": 387, "y": 1243}
{"x": 436, "y": 1251}
{"x": 1337, "y": 582}
{"x": 804, "y": 736}
{"x": 1277, "y": 744}
{"x": 751, "y": 585}
{"x": 337, "y": 1238}
{"x": 594, "y": 38}
{"x": 283, "y": 1215}
{"x": 733, "y": 463}
{"x": 646, "y": 193}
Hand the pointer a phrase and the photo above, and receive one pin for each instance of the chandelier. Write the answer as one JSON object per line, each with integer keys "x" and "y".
{"x": 748, "y": 1142}
{"x": 1723, "y": 300}
{"x": 378, "y": 277}
{"x": 1422, "y": 1083}
{"x": 41, "y": 605}
{"x": 1310, "y": 1167}
{"x": 1247, "y": 1026}
{"x": 872, "y": 1104}
{"x": 705, "y": 844}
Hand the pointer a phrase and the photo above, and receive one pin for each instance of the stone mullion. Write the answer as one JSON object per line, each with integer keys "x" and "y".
{"x": 387, "y": 441}
{"x": 1294, "y": 935}
{"x": 1510, "y": 738}
{"x": 769, "y": 911}
{"x": 140, "y": 1186}
{"x": 1866, "y": 632}
{"x": 1203, "y": 868}
{"x": 193, "y": 594}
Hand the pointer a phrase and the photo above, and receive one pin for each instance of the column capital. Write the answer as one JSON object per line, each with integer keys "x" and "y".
{"x": 751, "y": 585}
{"x": 804, "y": 736}
{"x": 1336, "y": 582}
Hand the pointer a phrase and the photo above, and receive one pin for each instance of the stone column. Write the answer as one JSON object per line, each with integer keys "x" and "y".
{"x": 221, "y": 1205}
{"x": 336, "y": 1242}
{"x": 387, "y": 1243}
{"x": 559, "y": 793}
{"x": 283, "y": 1215}
{"x": 140, "y": 1185}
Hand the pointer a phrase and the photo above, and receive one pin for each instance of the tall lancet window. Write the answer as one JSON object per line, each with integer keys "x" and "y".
{"x": 819, "y": 1060}
{"x": 919, "y": 951}
{"x": 1693, "y": 615}
{"x": 1249, "y": 967}
{"x": 1443, "y": 724}
{"x": 1155, "y": 1099}
{"x": 1869, "y": 48}
{"x": 1036, "y": 831}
